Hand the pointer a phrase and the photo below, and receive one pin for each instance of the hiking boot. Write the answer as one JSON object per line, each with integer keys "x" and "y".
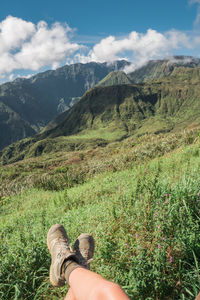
{"x": 57, "y": 242}
{"x": 84, "y": 249}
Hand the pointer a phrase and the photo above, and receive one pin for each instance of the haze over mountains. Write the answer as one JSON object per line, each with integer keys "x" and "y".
{"x": 27, "y": 105}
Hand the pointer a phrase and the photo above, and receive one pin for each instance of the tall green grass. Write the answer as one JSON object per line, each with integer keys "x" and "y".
{"x": 64, "y": 169}
{"x": 145, "y": 221}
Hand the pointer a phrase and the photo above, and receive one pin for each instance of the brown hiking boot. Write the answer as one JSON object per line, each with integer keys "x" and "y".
{"x": 57, "y": 242}
{"x": 84, "y": 248}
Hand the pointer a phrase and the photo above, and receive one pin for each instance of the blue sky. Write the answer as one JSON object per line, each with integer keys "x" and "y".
{"x": 39, "y": 35}
{"x": 106, "y": 17}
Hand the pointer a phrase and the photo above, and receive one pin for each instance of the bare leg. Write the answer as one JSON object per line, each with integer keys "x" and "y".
{"x": 70, "y": 295}
{"x": 198, "y": 297}
{"x": 66, "y": 266}
{"x": 87, "y": 285}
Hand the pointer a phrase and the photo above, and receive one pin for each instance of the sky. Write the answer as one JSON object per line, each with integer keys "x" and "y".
{"x": 41, "y": 35}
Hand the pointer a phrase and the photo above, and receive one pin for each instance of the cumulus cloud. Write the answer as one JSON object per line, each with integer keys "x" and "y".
{"x": 137, "y": 47}
{"x": 24, "y": 45}
{"x": 13, "y": 31}
{"x": 47, "y": 46}
{"x": 28, "y": 46}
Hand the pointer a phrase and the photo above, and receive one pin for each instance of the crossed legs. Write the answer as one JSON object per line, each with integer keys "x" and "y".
{"x": 73, "y": 267}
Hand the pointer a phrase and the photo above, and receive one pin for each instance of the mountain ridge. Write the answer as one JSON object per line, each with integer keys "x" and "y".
{"x": 39, "y": 99}
{"x": 28, "y": 105}
{"x": 112, "y": 113}
{"x": 156, "y": 69}
{"x": 115, "y": 78}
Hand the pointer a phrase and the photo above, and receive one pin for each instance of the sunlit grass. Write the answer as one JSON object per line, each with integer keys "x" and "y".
{"x": 64, "y": 169}
{"x": 145, "y": 221}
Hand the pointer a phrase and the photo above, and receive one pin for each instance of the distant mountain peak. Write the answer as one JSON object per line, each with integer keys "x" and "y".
{"x": 115, "y": 78}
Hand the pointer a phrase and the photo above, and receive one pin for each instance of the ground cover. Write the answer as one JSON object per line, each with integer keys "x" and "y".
{"x": 144, "y": 217}
{"x": 63, "y": 167}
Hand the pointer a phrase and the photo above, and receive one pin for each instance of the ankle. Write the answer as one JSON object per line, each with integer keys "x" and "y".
{"x": 68, "y": 266}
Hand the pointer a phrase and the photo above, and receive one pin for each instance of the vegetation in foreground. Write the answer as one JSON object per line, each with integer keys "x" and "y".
{"x": 58, "y": 169}
{"x": 144, "y": 218}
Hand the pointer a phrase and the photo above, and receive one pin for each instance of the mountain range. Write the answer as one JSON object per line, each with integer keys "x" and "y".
{"x": 27, "y": 105}
{"x": 116, "y": 103}
{"x": 111, "y": 113}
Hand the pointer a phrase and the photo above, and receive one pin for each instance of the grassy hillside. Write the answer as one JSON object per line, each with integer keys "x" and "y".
{"x": 115, "y": 78}
{"x": 123, "y": 165}
{"x": 64, "y": 167}
{"x": 140, "y": 202}
{"x": 113, "y": 113}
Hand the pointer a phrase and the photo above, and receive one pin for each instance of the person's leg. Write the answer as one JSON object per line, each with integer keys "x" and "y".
{"x": 84, "y": 250}
{"x": 87, "y": 285}
{"x": 66, "y": 266}
{"x": 197, "y": 297}
{"x": 70, "y": 295}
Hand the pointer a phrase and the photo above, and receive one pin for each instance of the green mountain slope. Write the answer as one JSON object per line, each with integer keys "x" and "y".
{"x": 151, "y": 71}
{"x": 115, "y": 78}
{"x": 163, "y": 104}
{"x": 107, "y": 114}
{"x": 12, "y": 125}
{"x": 39, "y": 99}
{"x": 160, "y": 68}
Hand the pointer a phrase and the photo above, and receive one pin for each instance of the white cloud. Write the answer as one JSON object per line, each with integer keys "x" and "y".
{"x": 13, "y": 31}
{"x": 194, "y": 1}
{"x": 28, "y": 46}
{"x": 46, "y": 47}
{"x": 197, "y": 19}
{"x": 24, "y": 45}
{"x": 11, "y": 76}
{"x": 138, "y": 47}
{"x": 14, "y": 76}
